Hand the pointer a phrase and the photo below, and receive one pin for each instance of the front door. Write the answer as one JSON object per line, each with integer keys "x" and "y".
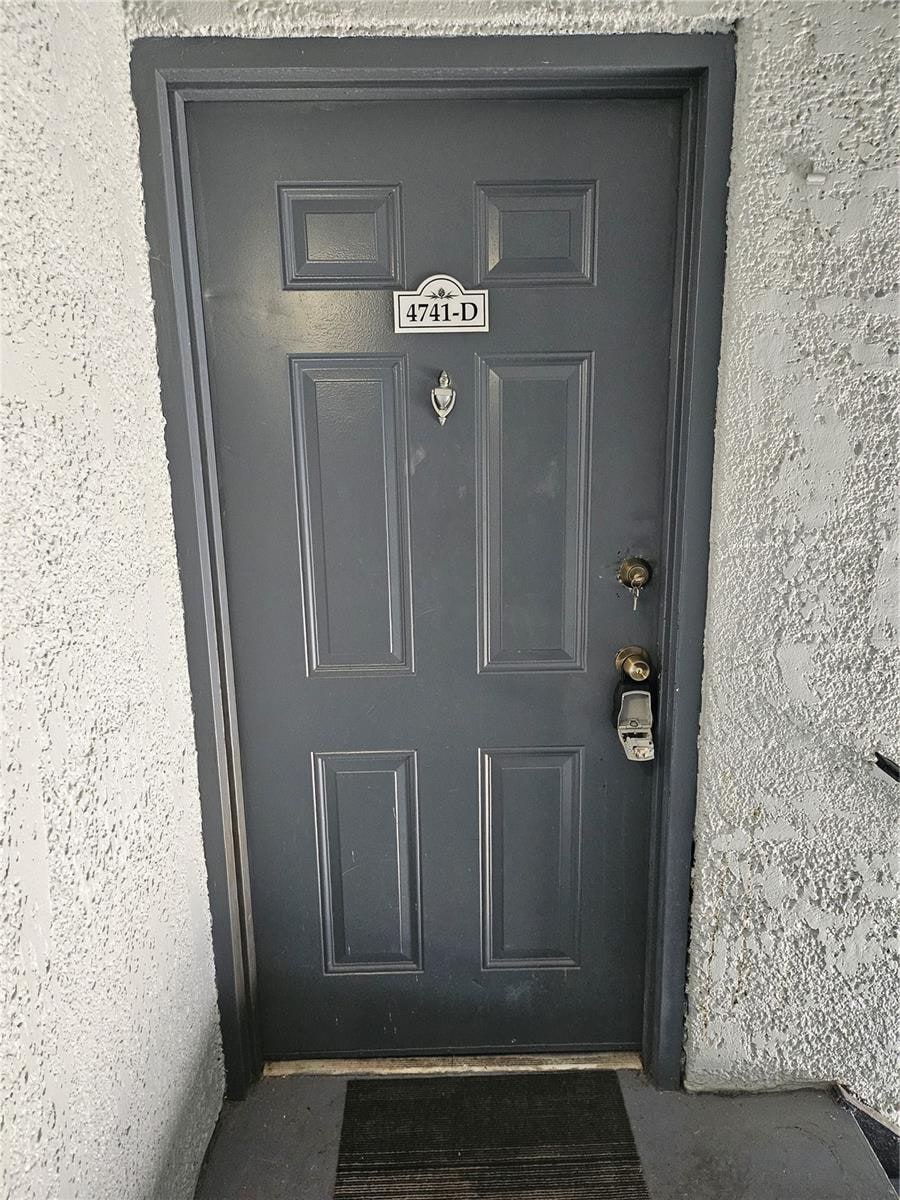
{"x": 448, "y": 849}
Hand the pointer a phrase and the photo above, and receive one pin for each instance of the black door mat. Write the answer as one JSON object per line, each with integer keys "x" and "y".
{"x": 519, "y": 1137}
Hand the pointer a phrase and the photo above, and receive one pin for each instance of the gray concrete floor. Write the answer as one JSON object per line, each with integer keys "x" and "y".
{"x": 281, "y": 1143}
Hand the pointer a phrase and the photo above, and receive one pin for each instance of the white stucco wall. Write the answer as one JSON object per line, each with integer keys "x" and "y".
{"x": 796, "y": 872}
{"x": 110, "y": 1075}
{"x": 793, "y": 951}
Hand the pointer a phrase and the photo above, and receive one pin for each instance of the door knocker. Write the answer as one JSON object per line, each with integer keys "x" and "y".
{"x": 443, "y": 398}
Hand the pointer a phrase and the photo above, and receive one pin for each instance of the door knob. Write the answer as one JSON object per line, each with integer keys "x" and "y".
{"x": 634, "y": 661}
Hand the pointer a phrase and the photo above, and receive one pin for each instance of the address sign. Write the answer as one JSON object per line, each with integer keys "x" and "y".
{"x": 441, "y": 305}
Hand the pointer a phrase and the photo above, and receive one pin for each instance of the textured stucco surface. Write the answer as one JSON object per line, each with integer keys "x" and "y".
{"x": 792, "y": 929}
{"x": 793, "y": 950}
{"x": 793, "y": 973}
{"x": 110, "y": 1073}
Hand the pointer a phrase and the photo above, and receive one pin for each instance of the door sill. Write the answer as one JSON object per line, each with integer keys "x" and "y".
{"x": 463, "y": 1064}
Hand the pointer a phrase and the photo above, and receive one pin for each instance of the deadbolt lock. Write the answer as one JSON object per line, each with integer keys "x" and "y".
{"x": 634, "y": 661}
{"x": 634, "y": 573}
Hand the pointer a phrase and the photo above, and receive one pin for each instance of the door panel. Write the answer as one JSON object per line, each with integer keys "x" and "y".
{"x": 531, "y": 813}
{"x": 340, "y": 236}
{"x": 448, "y": 850}
{"x": 534, "y": 424}
{"x": 367, "y": 817}
{"x": 535, "y": 233}
{"x": 350, "y": 423}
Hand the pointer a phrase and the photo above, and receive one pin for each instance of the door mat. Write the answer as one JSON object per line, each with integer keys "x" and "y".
{"x": 520, "y": 1137}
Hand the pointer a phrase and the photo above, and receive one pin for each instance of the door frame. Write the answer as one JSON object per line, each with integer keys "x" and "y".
{"x": 169, "y": 73}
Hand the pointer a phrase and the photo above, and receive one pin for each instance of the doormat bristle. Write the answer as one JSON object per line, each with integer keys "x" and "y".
{"x": 519, "y": 1137}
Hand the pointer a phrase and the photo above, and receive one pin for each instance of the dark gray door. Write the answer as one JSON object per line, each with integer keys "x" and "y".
{"x": 448, "y": 849}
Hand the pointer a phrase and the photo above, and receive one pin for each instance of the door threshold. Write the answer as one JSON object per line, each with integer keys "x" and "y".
{"x": 452, "y": 1064}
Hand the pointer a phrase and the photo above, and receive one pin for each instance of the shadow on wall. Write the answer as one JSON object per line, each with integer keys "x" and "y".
{"x": 183, "y": 1144}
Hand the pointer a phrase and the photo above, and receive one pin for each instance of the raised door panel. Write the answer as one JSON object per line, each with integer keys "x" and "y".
{"x": 531, "y": 854}
{"x": 368, "y": 842}
{"x": 340, "y": 235}
{"x": 534, "y": 416}
{"x": 535, "y": 234}
{"x": 352, "y": 485}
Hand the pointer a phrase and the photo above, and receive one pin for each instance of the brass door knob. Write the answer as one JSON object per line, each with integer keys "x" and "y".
{"x": 635, "y": 662}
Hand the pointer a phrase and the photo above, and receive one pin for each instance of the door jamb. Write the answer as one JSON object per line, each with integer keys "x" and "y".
{"x": 167, "y": 74}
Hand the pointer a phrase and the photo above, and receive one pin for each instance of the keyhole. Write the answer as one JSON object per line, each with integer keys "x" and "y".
{"x": 634, "y": 573}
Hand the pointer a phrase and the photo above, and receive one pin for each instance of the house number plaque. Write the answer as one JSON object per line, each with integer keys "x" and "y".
{"x": 441, "y": 305}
